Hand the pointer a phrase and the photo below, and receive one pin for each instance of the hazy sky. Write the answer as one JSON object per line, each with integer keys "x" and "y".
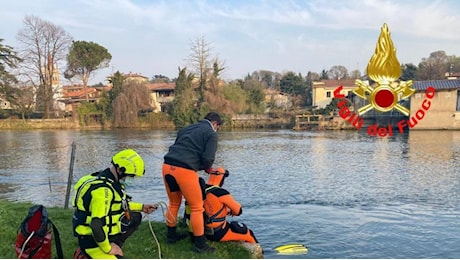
{"x": 153, "y": 37}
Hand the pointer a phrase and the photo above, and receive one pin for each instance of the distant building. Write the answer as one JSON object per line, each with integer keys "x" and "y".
{"x": 73, "y": 95}
{"x": 323, "y": 91}
{"x": 444, "y": 109}
{"x": 161, "y": 94}
{"x": 135, "y": 77}
{"x": 55, "y": 85}
{"x": 454, "y": 75}
{"x": 277, "y": 98}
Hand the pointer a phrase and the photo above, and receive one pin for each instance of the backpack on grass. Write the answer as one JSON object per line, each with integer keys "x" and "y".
{"x": 34, "y": 235}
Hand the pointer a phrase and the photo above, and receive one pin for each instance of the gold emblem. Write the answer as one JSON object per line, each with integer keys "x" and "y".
{"x": 384, "y": 68}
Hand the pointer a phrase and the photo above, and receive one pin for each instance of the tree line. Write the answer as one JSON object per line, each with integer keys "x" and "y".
{"x": 29, "y": 83}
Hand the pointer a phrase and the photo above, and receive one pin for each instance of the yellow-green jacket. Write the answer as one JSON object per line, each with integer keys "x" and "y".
{"x": 98, "y": 195}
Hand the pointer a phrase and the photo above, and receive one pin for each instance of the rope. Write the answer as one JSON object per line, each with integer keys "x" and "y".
{"x": 163, "y": 205}
{"x": 25, "y": 243}
{"x": 155, "y": 237}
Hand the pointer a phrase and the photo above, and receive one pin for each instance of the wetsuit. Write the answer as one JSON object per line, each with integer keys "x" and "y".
{"x": 194, "y": 149}
{"x": 103, "y": 214}
{"x": 218, "y": 204}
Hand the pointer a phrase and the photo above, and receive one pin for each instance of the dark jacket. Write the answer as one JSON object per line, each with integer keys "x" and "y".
{"x": 195, "y": 147}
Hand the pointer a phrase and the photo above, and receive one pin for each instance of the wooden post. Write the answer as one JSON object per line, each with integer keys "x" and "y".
{"x": 70, "y": 178}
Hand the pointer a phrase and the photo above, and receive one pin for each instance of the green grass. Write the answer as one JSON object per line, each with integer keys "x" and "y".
{"x": 140, "y": 245}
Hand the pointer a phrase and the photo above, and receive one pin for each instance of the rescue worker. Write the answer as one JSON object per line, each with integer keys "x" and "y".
{"x": 104, "y": 215}
{"x": 193, "y": 150}
{"x": 218, "y": 204}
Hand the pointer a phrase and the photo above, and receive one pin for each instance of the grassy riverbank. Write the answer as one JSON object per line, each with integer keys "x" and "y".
{"x": 140, "y": 245}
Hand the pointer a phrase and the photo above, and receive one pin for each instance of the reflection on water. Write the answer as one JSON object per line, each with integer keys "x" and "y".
{"x": 343, "y": 194}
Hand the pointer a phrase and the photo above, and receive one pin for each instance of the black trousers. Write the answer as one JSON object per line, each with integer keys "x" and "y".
{"x": 128, "y": 228}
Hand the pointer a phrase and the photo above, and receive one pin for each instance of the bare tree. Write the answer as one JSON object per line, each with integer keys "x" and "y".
{"x": 133, "y": 98}
{"x": 209, "y": 69}
{"x": 355, "y": 74}
{"x": 124, "y": 112}
{"x": 42, "y": 46}
{"x": 314, "y": 76}
{"x": 338, "y": 72}
{"x": 266, "y": 77}
{"x": 433, "y": 67}
{"x": 201, "y": 64}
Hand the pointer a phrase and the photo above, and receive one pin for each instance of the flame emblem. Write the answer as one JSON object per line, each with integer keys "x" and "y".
{"x": 384, "y": 68}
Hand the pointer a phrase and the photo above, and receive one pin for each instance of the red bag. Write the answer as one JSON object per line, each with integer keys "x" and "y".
{"x": 34, "y": 235}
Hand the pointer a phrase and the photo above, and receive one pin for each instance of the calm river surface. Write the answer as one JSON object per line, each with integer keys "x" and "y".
{"x": 342, "y": 194}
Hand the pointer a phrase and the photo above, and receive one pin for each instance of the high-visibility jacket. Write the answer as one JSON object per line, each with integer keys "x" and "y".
{"x": 98, "y": 195}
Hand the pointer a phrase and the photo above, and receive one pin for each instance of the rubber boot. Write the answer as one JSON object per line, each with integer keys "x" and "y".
{"x": 201, "y": 246}
{"x": 172, "y": 236}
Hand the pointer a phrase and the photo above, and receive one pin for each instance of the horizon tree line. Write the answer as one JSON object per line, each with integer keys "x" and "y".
{"x": 28, "y": 81}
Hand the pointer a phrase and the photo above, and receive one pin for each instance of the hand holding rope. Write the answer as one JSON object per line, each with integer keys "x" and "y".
{"x": 148, "y": 209}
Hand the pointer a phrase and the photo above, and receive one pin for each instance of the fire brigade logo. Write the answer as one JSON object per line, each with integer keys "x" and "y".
{"x": 385, "y": 70}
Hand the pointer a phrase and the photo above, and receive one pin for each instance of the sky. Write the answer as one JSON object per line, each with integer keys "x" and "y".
{"x": 154, "y": 37}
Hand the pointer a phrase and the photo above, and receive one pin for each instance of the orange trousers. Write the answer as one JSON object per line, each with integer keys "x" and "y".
{"x": 181, "y": 182}
{"x": 234, "y": 236}
{"x": 234, "y": 231}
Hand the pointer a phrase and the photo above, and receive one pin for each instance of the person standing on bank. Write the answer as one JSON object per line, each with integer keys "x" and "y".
{"x": 104, "y": 215}
{"x": 193, "y": 150}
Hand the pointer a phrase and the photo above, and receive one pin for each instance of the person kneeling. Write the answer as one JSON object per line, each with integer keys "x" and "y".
{"x": 104, "y": 215}
{"x": 218, "y": 204}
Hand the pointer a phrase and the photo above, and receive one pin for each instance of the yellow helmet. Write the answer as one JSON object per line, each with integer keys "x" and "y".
{"x": 130, "y": 162}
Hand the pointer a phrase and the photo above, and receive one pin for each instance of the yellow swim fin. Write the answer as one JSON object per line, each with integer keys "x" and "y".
{"x": 292, "y": 249}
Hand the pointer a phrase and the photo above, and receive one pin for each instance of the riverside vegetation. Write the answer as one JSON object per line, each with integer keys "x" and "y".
{"x": 140, "y": 245}
{"x": 152, "y": 121}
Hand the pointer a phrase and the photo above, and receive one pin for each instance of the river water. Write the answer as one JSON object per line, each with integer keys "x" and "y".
{"x": 342, "y": 194}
